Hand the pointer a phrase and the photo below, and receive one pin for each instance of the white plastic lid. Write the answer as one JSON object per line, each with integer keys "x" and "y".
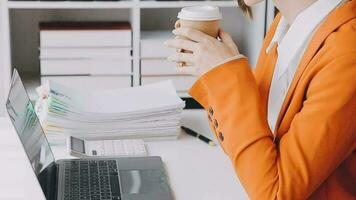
{"x": 200, "y": 13}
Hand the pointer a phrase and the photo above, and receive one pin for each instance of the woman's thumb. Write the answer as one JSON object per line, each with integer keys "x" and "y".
{"x": 177, "y": 24}
{"x": 227, "y": 39}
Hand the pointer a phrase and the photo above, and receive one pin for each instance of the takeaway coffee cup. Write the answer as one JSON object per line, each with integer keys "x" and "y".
{"x": 203, "y": 18}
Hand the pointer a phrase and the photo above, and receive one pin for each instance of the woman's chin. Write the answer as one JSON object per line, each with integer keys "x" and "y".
{"x": 252, "y": 2}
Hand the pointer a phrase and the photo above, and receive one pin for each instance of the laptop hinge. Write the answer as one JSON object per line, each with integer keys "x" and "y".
{"x": 48, "y": 179}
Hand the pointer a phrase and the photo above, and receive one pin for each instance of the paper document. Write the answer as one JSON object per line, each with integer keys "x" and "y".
{"x": 149, "y": 111}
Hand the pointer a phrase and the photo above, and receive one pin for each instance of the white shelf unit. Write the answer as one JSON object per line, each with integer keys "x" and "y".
{"x": 19, "y": 28}
{"x": 113, "y": 4}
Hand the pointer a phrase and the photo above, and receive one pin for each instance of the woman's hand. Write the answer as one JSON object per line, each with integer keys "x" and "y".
{"x": 204, "y": 51}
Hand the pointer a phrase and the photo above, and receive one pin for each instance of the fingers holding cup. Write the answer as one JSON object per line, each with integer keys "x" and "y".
{"x": 195, "y": 25}
{"x": 184, "y": 62}
{"x": 179, "y": 43}
{"x": 191, "y": 70}
{"x": 182, "y": 46}
{"x": 182, "y": 57}
{"x": 181, "y": 64}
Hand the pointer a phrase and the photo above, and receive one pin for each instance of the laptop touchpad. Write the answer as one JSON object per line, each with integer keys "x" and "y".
{"x": 143, "y": 181}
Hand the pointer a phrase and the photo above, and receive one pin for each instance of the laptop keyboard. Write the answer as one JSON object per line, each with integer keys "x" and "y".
{"x": 91, "y": 180}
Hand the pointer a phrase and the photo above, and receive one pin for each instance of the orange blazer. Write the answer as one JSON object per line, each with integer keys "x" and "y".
{"x": 311, "y": 155}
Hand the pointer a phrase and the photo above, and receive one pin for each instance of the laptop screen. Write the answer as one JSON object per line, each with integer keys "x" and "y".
{"x": 28, "y": 128}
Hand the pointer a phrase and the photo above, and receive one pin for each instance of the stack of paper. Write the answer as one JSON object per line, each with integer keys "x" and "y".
{"x": 148, "y": 112}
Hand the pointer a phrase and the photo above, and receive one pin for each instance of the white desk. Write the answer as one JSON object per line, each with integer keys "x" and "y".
{"x": 195, "y": 170}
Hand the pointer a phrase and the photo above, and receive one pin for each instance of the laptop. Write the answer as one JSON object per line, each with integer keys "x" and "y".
{"x": 137, "y": 178}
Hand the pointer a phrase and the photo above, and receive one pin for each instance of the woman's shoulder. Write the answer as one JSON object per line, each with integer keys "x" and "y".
{"x": 343, "y": 40}
{"x": 336, "y": 58}
{"x": 340, "y": 30}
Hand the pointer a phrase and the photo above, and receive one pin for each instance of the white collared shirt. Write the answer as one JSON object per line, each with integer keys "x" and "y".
{"x": 292, "y": 41}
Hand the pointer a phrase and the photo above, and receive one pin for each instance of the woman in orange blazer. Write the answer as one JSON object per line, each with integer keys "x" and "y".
{"x": 308, "y": 150}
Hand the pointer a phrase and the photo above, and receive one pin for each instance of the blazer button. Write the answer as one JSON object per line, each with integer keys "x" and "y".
{"x": 209, "y": 117}
{"x": 221, "y": 136}
{"x": 216, "y": 123}
{"x": 211, "y": 111}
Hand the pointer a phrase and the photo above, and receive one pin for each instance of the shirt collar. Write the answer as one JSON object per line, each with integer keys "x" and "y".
{"x": 292, "y": 38}
{"x": 280, "y": 32}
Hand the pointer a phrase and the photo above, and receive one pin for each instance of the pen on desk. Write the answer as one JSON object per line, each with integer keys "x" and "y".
{"x": 195, "y": 134}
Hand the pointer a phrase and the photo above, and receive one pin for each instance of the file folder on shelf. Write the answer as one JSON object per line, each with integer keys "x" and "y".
{"x": 85, "y": 34}
{"x": 81, "y": 53}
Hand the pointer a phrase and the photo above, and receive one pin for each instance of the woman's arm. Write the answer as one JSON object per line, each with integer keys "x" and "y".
{"x": 320, "y": 137}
